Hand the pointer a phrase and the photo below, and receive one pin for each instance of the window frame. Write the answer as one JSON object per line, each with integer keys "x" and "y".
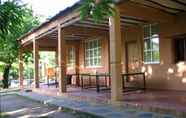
{"x": 89, "y": 61}
{"x": 71, "y": 57}
{"x": 150, "y": 38}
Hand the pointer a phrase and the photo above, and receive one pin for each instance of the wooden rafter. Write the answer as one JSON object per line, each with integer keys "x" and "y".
{"x": 181, "y": 2}
{"x": 73, "y": 19}
{"x": 166, "y": 6}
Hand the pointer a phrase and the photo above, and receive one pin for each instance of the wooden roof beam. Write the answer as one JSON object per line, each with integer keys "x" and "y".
{"x": 144, "y": 13}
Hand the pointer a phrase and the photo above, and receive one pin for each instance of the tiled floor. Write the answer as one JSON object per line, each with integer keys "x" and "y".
{"x": 98, "y": 109}
{"x": 153, "y": 100}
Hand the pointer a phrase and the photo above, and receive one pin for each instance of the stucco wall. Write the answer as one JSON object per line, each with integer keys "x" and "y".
{"x": 80, "y": 52}
{"x": 165, "y": 75}
{"x": 168, "y": 74}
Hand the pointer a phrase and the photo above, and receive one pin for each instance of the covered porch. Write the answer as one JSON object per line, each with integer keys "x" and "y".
{"x": 121, "y": 43}
{"x": 160, "y": 101}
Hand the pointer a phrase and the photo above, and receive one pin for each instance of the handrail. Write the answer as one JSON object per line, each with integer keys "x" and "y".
{"x": 99, "y": 76}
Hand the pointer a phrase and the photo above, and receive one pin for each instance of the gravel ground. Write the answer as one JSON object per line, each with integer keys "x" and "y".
{"x": 15, "y": 106}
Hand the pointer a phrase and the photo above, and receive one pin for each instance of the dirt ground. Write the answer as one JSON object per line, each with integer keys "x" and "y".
{"x": 15, "y": 106}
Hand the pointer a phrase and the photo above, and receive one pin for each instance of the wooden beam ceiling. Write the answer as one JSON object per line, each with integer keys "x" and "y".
{"x": 131, "y": 14}
{"x": 137, "y": 9}
{"x": 125, "y": 21}
{"x": 182, "y": 2}
{"x": 168, "y": 6}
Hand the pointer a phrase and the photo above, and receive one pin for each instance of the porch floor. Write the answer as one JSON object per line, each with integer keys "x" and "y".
{"x": 162, "y": 101}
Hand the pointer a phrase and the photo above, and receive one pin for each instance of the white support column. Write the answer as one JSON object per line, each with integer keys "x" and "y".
{"x": 36, "y": 63}
{"x": 61, "y": 61}
{"x": 115, "y": 57}
{"x": 20, "y": 68}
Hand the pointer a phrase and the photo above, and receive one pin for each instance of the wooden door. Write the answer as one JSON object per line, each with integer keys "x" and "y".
{"x": 133, "y": 57}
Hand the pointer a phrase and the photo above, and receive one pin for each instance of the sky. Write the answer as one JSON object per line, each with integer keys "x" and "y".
{"x": 48, "y": 8}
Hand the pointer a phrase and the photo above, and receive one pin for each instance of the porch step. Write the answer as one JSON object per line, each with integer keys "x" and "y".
{"x": 118, "y": 110}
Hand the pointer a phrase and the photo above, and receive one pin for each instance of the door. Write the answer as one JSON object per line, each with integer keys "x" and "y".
{"x": 133, "y": 57}
{"x": 133, "y": 65}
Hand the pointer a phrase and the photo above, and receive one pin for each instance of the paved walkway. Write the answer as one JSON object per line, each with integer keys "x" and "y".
{"x": 19, "y": 107}
{"x": 162, "y": 100}
{"x": 99, "y": 109}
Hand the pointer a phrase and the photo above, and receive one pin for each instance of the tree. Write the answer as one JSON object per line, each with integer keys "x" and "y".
{"x": 97, "y": 9}
{"x": 8, "y": 40}
{"x": 11, "y": 15}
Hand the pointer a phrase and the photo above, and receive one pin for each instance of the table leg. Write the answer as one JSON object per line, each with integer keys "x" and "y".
{"x": 97, "y": 84}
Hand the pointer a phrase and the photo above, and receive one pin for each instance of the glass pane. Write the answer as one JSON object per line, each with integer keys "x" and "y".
{"x": 147, "y": 56}
{"x": 95, "y": 53}
{"x": 147, "y": 45}
{"x": 146, "y": 31}
{"x": 156, "y": 56}
{"x": 91, "y": 53}
{"x": 155, "y": 43}
{"x": 87, "y": 62}
{"x": 99, "y": 52}
{"x": 91, "y": 62}
{"x": 95, "y": 43}
{"x": 99, "y": 61}
{"x": 154, "y": 30}
{"x": 95, "y": 62}
{"x": 86, "y": 54}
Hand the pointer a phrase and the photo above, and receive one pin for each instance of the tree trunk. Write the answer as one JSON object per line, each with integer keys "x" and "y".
{"x": 6, "y": 75}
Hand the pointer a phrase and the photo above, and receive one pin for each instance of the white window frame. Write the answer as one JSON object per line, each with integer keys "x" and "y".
{"x": 151, "y": 50}
{"x": 91, "y": 60}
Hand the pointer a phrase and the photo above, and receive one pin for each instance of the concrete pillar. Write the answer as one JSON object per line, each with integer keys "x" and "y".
{"x": 21, "y": 68}
{"x": 61, "y": 61}
{"x": 36, "y": 63}
{"x": 115, "y": 56}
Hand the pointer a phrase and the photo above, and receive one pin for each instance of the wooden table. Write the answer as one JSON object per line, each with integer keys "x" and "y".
{"x": 125, "y": 79}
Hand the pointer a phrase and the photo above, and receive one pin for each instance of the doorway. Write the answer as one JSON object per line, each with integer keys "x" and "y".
{"x": 132, "y": 57}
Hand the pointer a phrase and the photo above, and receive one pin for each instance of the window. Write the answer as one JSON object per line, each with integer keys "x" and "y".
{"x": 93, "y": 53}
{"x": 71, "y": 57}
{"x": 151, "y": 44}
{"x": 180, "y": 49}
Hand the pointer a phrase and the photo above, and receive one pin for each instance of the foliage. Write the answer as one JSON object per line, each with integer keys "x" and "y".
{"x": 48, "y": 58}
{"x": 9, "y": 45}
{"x": 3, "y": 115}
{"x": 1, "y": 67}
{"x": 28, "y": 71}
{"x": 97, "y": 9}
{"x": 14, "y": 72}
{"x": 11, "y": 15}
{"x": 19, "y": 21}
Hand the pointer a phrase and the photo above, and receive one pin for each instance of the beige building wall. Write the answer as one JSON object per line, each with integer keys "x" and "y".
{"x": 165, "y": 75}
{"x": 168, "y": 74}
